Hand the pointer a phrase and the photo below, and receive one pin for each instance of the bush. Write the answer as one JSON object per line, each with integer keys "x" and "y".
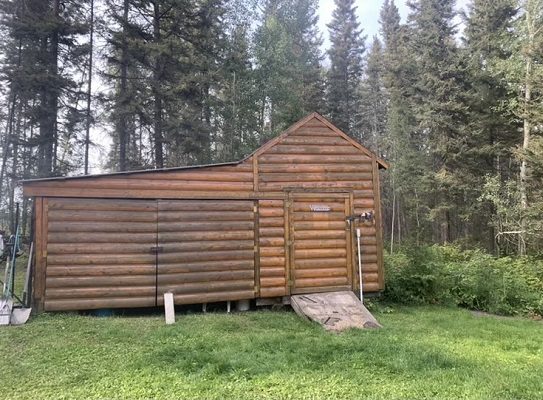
{"x": 472, "y": 279}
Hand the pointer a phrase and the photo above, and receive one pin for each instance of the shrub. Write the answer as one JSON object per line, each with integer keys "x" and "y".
{"x": 472, "y": 279}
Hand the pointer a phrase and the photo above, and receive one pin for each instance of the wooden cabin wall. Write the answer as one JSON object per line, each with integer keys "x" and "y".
{"x": 230, "y": 181}
{"x": 311, "y": 158}
{"x": 315, "y": 158}
{"x": 272, "y": 250}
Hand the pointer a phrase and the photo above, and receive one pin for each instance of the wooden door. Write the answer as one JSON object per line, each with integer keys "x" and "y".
{"x": 98, "y": 253}
{"x": 320, "y": 243}
{"x": 206, "y": 250}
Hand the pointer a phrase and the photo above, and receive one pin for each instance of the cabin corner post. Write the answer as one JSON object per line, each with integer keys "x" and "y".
{"x": 378, "y": 221}
{"x": 38, "y": 292}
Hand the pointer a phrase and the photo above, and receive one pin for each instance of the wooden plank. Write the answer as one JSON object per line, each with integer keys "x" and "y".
{"x": 201, "y": 266}
{"x": 169, "y": 309}
{"x": 90, "y": 304}
{"x": 257, "y": 248}
{"x": 322, "y": 141}
{"x": 196, "y": 236}
{"x": 100, "y": 281}
{"x": 94, "y": 292}
{"x": 202, "y": 288}
{"x": 181, "y": 277}
{"x": 101, "y": 216}
{"x": 149, "y": 184}
{"x": 378, "y": 224}
{"x": 204, "y": 205}
{"x": 103, "y": 237}
{"x": 315, "y": 177}
{"x": 273, "y": 292}
{"x": 255, "y": 173}
{"x": 100, "y": 270}
{"x": 348, "y": 239}
{"x": 40, "y": 257}
{"x": 335, "y": 311}
{"x": 312, "y": 159}
{"x": 313, "y": 149}
{"x": 322, "y": 282}
{"x": 320, "y": 273}
{"x": 272, "y": 251}
{"x": 215, "y": 245}
{"x": 316, "y": 185}
{"x": 212, "y": 297}
{"x": 318, "y": 167}
{"x": 266, "y": 282}
{"x": 272, "y": 272}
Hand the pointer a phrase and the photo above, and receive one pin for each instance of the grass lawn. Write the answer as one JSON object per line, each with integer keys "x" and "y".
{"x": 421, "y": 353}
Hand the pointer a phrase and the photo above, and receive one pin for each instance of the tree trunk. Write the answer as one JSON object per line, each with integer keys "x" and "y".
{"x": 89, "y": 89}
{"x": 157, "y": 94}
{"x": 122, "y": 123}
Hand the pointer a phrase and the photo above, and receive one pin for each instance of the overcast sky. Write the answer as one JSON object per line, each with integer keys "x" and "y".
{"x": 368, "y": 15}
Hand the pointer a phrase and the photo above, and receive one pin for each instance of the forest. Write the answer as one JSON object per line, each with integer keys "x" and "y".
{"x": 456, "y": 108}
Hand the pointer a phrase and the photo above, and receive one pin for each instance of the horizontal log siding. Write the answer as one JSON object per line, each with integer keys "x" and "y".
{"x": 319, "y": 249}
{"x": 230, "y": 181}
{"x": 315, "y": 157}
{"x": 272, "y": 248}
{"x": 94, "y": 257}
{"x": 207, "y": 250}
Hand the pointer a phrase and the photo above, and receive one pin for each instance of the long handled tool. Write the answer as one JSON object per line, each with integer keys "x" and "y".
{"x": 359, "y": 265}
{"x": 10, "y": 315}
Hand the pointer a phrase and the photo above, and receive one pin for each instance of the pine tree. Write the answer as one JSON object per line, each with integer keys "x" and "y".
{"x": 439, "y": 108}
{"x": 371, "y": 121}
{"x": 288, "y": 71}
{"x": 346, "y": 52}
{"x": 492, "y": 126}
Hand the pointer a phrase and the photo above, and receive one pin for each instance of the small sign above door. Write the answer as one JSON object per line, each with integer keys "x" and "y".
{"x": 319, "y": 208}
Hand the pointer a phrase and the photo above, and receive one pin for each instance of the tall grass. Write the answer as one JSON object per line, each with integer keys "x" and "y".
{"x": 471, "y": 279}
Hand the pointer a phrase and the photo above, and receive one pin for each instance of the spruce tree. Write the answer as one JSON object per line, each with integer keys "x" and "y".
{"x": 440, "y": 112}
{"x": 346, "y": 51}
{"x": 371, "y": 122}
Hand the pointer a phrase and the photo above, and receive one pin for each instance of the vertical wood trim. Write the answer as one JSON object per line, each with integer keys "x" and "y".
{"x": 348, "y": 243}
{"x": 378, "y": 222}
{"x": 289, "y": 239}
{"x": 257, "y": 248}
{"x": 39, "y": 275}
{"x": 255, "y": 173}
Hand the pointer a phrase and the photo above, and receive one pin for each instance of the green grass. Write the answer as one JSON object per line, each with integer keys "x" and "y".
{"x": 422, "y": 353}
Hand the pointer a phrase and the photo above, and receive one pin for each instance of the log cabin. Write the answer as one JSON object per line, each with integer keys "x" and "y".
{"x": 272, "y": 225}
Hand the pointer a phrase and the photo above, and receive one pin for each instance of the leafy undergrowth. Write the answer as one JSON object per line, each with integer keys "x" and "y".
{"x": 422, "y": 352}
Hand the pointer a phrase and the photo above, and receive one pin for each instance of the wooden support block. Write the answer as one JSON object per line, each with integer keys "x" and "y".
{"x": 169, "y": 308}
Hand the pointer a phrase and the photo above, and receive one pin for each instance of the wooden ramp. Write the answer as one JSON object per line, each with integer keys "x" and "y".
{"x": 335, "y": 311}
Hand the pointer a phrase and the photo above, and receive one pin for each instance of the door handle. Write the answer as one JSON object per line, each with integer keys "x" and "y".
{"x": 156, "y": 249}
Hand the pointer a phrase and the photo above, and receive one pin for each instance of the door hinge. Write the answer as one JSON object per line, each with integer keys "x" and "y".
{"x": 44, "y": 254}
{"x": 255, "y": 208}
{"x": 255, "y": 249}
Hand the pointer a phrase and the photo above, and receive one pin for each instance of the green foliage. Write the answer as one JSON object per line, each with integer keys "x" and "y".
{"x": 470, "y": 278}
{"x": 345, "y": 73}
{"x": 421, "y": 353}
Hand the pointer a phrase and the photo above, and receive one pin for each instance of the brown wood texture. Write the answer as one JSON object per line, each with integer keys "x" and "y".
{"x": 319, "y": 262}
{"x": 92, "y": 272}
{"x": 215, "y": 245}
{"x": 223, "y": 246}
{"x": 273, "y": 279}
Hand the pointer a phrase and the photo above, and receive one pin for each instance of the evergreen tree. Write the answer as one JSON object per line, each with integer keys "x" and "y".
{"x": 440, "y": 112}
{"x": 493, "y": 128}
{"x": 346, "y": 52}
{"x": 288, "y": 71}
{"x": 371, "y": 121}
